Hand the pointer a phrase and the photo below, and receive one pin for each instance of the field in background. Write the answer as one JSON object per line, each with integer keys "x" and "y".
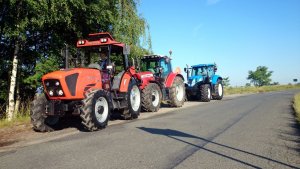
{"x": 252, "y": 89}
{"x": 296, "y": 106}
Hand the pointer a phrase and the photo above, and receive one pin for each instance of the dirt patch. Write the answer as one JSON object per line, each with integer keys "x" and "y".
{"x": 13, "y": 134}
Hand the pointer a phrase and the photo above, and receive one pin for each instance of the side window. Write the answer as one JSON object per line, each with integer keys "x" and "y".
{"x": 210, "y": 71}
{"x": 165, "y": 66}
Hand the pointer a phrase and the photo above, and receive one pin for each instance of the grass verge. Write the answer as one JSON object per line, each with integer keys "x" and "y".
{"x": 296, "y": 105}
{"x": 16, "y": 121}
{"x": 252, "y": 89}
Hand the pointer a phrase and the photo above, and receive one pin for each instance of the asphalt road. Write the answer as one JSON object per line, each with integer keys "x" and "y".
{"x": 252, "y": 131}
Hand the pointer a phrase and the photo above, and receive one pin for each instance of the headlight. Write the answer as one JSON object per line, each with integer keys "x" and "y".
{"x": 51, "y": 93}
{"x": 57, "y": 83}
{"x": 60, "y": 92}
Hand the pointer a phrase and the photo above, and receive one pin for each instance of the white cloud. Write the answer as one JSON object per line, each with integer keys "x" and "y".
{"x": 212, "y": 2}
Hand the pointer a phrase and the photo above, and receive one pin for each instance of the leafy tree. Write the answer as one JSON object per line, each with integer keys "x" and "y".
{"x": 226, "y": 81}
{"x": 261, "y": 76}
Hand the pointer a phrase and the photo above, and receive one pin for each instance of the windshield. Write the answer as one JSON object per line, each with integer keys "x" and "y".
{"x": 198, "y": 71}
{"x": 149, "y": 65}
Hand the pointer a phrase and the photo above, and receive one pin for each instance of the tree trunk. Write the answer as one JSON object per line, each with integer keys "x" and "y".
{"x": 11, "y": 101}
{"x": 18, "y": 100}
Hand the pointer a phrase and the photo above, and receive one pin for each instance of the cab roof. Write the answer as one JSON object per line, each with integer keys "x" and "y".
{"x": 99, "y": 39}
{"x": 202, "y": 65}
{"x": 155, "y": 57}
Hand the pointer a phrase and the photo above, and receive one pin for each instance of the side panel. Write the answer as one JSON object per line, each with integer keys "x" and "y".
{"x": 126, "y": 79}
{"x": 125, "y": 82}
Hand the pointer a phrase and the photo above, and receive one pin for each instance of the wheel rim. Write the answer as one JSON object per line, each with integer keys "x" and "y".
{"x": 155, "y": 98}
{"x": 208, "y": 93}
{"x": 220, "y": 90}
{"x": 101, "y": 109}
{"x": 135, "y": 98}
{"x": 179, "y": 92}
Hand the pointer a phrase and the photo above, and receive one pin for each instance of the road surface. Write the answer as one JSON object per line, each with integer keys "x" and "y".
{"x": 251, "y": 131}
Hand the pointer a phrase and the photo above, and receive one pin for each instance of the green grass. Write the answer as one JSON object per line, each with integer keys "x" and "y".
{"x": 252, "y": 89}
{"x": 22, "y": 117}
{"x": 296, "y": 106}
{"x": 16, "y": 121}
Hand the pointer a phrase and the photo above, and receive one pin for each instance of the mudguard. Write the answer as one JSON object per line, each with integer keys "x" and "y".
{"x": 170, "y": 79}
{"x": 126, "y": 79}
{"x": 215, "y": 79}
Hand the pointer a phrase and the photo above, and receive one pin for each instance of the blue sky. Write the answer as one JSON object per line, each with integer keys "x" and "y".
{"x": 238, "y": 35}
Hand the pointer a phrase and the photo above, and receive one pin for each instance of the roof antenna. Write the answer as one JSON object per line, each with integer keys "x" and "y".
{"x": 170, "y": 52}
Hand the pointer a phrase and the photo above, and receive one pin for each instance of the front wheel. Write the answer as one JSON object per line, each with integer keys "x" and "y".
{"x": 39, "y": 120}
{"x": 95, "y": 110}
{"x": 205, "y": 93}
{"x": 218, "y": 95}
{"x": 151, "y": 98}
{"x": 177, "y": 92}
{"x": 133, "y": 101}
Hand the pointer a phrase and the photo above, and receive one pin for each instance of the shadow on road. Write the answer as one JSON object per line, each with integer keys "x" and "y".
{"x": 293, "y": 135}
{"x": 174, "y": 134}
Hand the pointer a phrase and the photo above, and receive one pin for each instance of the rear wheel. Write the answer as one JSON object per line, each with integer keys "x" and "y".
{"x": 151, "y": 98}
{"x": 218, "y": 95}
{"x": 133, "y": 101}
{"x": 177, "y": 92}
{"x": 39, "y": 120}
{"x": 95, "y": 111}
{"x": 205, "y": 93}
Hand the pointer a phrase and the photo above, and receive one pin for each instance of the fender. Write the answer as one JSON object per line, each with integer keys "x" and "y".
{"x": 170, "y": 79}
{"x": 126, "y": 79}
{"x": 215, "y": 79}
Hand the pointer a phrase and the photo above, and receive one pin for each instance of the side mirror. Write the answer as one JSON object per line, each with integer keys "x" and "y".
{"x": 126, "y": 50}
{"x": 185, "y": 69}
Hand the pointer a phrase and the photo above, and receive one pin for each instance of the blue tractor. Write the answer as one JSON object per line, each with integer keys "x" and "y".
{"x": 202, "y": 83}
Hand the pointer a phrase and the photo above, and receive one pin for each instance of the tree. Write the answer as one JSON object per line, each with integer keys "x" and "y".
{"x": 260, "y": 77}
{"x": 226, "y": 81}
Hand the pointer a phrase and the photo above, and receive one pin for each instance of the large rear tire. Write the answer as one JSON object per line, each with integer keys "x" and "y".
{"x": 205, "y": 93}
{"x": 151, "y": 98}
{"x": 39, "y": 120}
{"x": 218, "y": 95}
{"x": 177, "y": 92}
{"x": 133, "y": 101}
{"x": 95, "y": 111}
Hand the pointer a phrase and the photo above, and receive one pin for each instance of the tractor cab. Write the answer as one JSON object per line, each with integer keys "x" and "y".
{"x": 160, "y": 66}
{"x": 200, "y": 73}
{"x": 97, "y": 52}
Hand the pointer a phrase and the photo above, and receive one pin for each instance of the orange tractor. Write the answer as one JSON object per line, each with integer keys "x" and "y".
{"x": 159, "y": 83}
{"x": 92, "y": 92}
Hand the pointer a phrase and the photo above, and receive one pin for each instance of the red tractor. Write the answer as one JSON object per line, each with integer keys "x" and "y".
{"x": 92, "y": 92}
{"x": 160, "y": 83}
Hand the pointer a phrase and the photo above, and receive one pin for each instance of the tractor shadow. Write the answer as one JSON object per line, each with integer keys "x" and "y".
{"x": 70, "y": 122}
{"x": 291, "y": 136}
{"x": 179, "y": 136}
